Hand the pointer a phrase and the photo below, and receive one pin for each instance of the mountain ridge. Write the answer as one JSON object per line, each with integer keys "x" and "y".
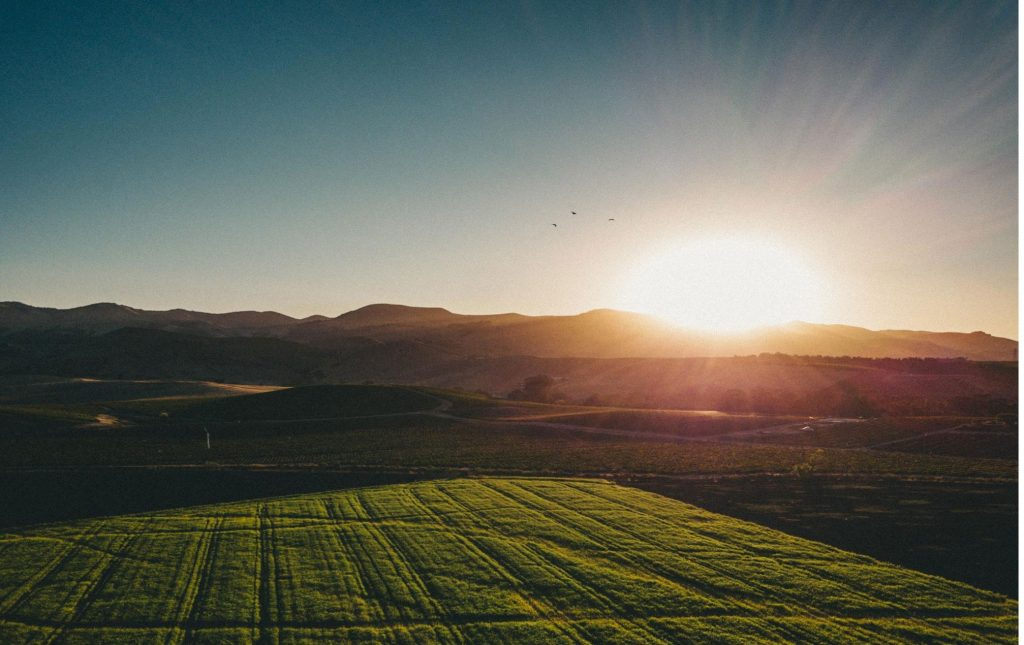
{"x": 598, "y": 333}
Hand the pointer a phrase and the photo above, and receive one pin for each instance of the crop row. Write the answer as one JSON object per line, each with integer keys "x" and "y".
{"x": 520, "y": 559}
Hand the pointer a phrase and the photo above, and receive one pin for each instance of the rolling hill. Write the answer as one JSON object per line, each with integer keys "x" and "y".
{"x": 105, "y": 316}
{"x": 133, "y": 353}
{"x": 488, "y": 560}
{"x": 768, "y": 384}
{"x": 601, "y": 357}
{"x": 601, "y": 333}
{"x": 78, "y": 390}
{"x": 314, "y": 402}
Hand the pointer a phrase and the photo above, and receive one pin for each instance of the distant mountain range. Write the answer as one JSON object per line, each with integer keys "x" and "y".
{"x": 601, "y": 333}
{"x": 603, "y": 356}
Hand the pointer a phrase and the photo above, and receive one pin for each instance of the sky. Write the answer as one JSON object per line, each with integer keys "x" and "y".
{"x": 315, "y": 157}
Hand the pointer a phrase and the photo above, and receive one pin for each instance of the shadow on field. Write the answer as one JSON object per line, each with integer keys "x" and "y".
{"x": 960, "y": 529}
{"x": 36, "y": 496}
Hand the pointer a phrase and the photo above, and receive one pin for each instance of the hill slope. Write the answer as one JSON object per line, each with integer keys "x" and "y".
{"x": 769, "y": 384}
{"x": 77, "y": 390}
{"x": 602, "y": 333}
{"x": 134, "y": 353}
{"x": 491, "y": 560}
{"x": 106, "y": 316}
{"x": 314, "y": 402}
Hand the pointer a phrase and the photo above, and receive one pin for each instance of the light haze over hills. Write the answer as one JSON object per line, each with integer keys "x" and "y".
{"x": 601, "y": 333}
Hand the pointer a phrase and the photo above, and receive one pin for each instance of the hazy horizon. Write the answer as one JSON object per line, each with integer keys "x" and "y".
{"x": 333, "y": 314}
{"x": 730, "y": 165}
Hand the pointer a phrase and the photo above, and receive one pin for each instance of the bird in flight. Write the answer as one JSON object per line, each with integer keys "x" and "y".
{"x": 611, "y": 219}
{"x": 555, "y": 225}
{"x": 573, "y": 212}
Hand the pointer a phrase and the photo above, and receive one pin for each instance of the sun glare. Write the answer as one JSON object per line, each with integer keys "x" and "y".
{"x": 725, "y": 285}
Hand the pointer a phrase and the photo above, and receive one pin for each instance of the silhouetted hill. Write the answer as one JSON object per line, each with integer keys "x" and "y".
{"x": 615, "y": 334}
{"x": 384, "y": 322}
{"x": 384, "y": 314}
{"x": 102, "y": 317}
{"x": 601, "y": 333}
{"x": 766, "y": 383}
{"x": 132, "y": 353}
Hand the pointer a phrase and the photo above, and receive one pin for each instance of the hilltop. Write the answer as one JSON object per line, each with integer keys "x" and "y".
{"x": 599, "y": 357}
{"x": 602, "y": 333}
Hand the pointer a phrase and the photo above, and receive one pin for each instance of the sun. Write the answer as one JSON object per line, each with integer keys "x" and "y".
{"x": 725, "y": 285}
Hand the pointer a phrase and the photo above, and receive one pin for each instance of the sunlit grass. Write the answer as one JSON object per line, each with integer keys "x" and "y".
{"x": 531, "y": 560}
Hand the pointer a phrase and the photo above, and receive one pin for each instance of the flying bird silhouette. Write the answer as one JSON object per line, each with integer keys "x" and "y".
{"x": 573, "y": 212}
{"x": 611, "y": 219}
{"x": 555, "y": 225}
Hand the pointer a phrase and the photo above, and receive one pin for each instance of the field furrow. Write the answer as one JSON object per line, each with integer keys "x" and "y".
{"x": 860, "y": 579}
{"x": 801, "y": 589}
{"x": 200, "y": 579}
{"x": 708, "y": 582}
{"x": 806, "y": 589}
{"x": 440, "y": 505}
{"x": 466, "y": 561}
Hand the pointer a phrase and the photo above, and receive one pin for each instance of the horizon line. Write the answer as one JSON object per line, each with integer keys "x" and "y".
{"x": 652, "y": 317}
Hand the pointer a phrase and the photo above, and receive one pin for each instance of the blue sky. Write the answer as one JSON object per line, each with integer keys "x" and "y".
{"x": 314, "y": 158}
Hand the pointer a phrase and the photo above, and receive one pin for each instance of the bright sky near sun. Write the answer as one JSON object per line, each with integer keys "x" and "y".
{"x": 850, "y": 162}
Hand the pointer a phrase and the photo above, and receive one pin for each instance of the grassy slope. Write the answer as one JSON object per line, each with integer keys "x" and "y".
{"x": 191, "y": 401}
{"x": 307, "y": 426}
{"x": 477, "y": 560}
{"x": 314, "y": 402}
{"x": 425, "y": 443}
{"x": 70, "y": 391}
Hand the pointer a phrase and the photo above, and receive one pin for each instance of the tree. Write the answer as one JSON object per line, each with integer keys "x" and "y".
{"x": 540, "y": 388}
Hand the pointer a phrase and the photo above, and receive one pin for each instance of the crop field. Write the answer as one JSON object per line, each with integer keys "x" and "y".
{"x": 487, "y": 560}
{"x": 960, "y": 529}
{"x": 683, "y": 423}
{"x": 314, "y": 401}
{"x": 424, "y": 442}
{"x": 985, "y": 445}
{"x": 335, "y": 425}
{"x": 962, "y": 436}
{"x": 858, "y": 434}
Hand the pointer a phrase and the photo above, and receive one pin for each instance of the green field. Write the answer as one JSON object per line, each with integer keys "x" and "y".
{"x": 314, "y": 402}
{"x": 482, "y": 561}
{"x": 393, "y": 426}
{"x": 424, "y": 442}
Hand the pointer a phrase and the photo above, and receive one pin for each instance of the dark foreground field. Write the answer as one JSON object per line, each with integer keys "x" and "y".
{"x": 488, "y": 560}
{"x": 965, "y": 530}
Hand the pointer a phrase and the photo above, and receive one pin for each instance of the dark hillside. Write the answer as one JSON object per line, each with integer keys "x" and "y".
{"x": 314, "y": 402}
{"x": 601, "y": 333}
{"x": 148, "y": 353}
